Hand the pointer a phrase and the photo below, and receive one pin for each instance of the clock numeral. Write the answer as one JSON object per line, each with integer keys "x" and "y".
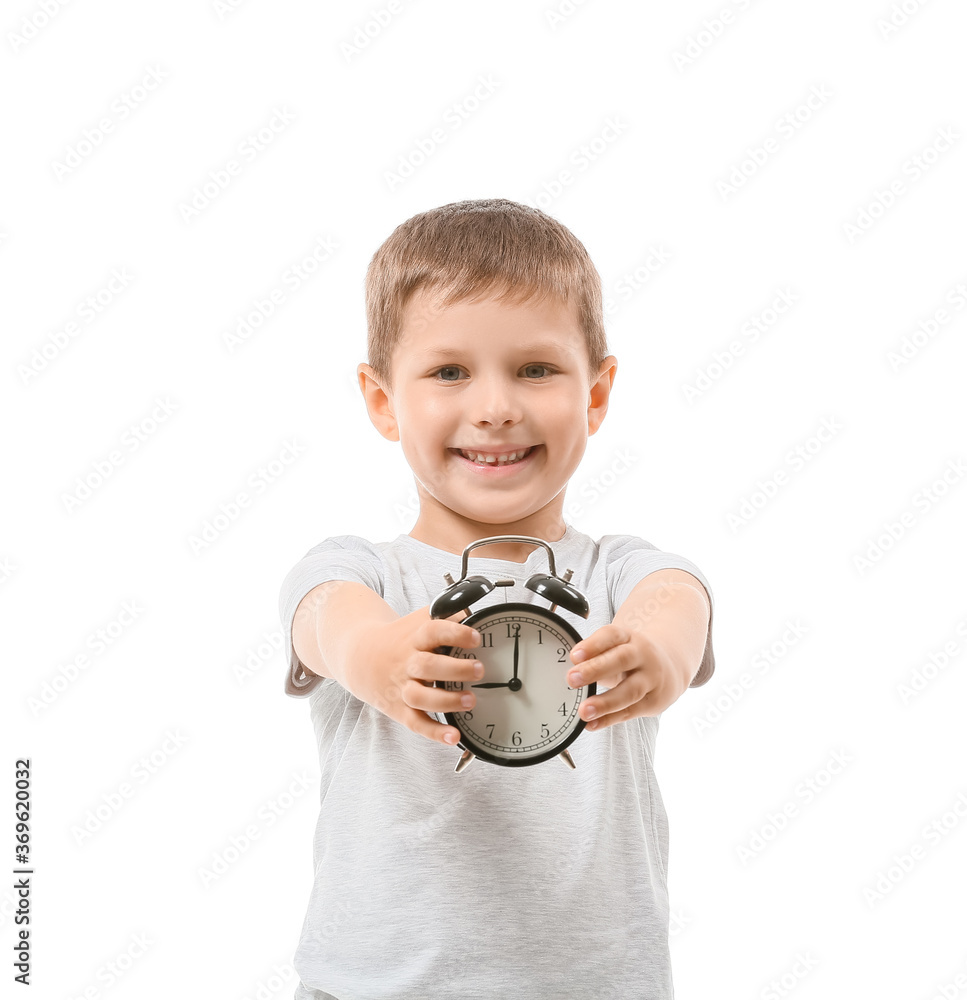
{"x": 563, "y": 709}
{"x": 540, "y": 639}
{"x": 545, "y": 732}
{"x": 515, "y": 626}
{"x": 515, "y": 739}
{"x": 490, "y": 728}
{"x": 467, "y": 716}
{"x": 453, "y": 685}
{"x": 488, "y": 640}
{"x": 561, "y": 654}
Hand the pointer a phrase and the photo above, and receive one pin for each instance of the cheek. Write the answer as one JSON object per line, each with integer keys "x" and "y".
{"x": 419, "y": 417}
{"x": 566, "y": 418}
{"x": 430, "y": 408}
{"x": 571, "y": 402}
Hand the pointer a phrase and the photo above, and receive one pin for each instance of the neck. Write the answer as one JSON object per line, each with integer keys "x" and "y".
{"x": 455, "y": 533}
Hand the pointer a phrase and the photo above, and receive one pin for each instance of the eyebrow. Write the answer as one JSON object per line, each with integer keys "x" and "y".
{"x": 544, "y": 347}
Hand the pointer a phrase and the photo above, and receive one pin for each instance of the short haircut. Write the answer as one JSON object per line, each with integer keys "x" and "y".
{"x": 469, "y": 249}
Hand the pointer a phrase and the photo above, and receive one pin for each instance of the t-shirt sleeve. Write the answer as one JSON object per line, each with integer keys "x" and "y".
{"x": 343, "y": 557}
{"x": 630, "y": 559}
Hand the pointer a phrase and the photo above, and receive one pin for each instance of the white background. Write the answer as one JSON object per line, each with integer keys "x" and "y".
{"x": 845, "y": 563}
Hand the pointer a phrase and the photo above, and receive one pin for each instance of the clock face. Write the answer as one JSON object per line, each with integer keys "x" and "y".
{"x": 528, "y": 713}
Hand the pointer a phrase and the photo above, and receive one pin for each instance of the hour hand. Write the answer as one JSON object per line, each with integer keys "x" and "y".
{"x": 492, "y": 684}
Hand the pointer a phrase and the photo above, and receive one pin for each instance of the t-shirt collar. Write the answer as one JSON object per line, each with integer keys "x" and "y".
{"x": 538, "y": 555}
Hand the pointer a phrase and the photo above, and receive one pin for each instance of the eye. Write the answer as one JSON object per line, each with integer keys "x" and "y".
{"x": 451, "y": 373}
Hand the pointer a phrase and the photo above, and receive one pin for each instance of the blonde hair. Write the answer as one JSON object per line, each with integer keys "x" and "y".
{"x": 471, "y": 248}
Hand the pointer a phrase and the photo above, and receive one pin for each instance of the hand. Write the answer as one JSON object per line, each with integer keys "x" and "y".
{"x": 394, "y": 667}
{"x": 640, "y": 678}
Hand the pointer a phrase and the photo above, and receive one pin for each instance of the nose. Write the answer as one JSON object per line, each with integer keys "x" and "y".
{"x": 495, "y": 403}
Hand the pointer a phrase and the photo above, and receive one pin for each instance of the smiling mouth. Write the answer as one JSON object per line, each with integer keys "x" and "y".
{"x": 485, "y": 458}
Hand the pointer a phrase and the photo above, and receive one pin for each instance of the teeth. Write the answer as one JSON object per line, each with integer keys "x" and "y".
{"x": 493, "y": 459}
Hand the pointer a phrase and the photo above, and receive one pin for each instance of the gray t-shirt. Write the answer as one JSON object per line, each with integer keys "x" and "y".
{"x": 538, "y": 882}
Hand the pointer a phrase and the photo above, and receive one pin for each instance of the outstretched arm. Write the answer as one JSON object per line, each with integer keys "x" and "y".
{"x": 346, "y": 631}
{"x": 649, "y": 654}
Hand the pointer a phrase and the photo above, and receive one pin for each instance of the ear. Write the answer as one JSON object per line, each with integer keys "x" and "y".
{"x": 379, "y": 402}
{"x": 600, "y": 391}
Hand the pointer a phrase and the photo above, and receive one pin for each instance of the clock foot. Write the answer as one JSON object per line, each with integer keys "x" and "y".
{"x": 565, "y": 755}
{"x": 465, "y": 760}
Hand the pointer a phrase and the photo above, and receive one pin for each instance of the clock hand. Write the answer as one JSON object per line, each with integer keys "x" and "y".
{"x": 516, "y": 644}
{"x": 492, "y": 684}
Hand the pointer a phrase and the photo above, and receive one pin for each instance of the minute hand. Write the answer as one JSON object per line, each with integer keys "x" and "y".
{"x": 492, "y": 684}
{"x": 516, "y": 644}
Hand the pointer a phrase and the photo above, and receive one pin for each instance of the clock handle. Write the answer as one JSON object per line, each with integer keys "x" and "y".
{"x": 555, "y": 589}
{"x": 493, "y": 539}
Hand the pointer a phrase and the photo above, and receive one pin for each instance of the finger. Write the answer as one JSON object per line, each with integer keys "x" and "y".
{"x": 427, "y": 666}
{"x": 614, "y": 701}
{"x": 422, "y": 696}
{"x": 445, "y": 632}
{"x": 613, "y": 660}
{"x": 391, "y": 702}
{"x": 641, "y": 708}
{"x": 421, "y": 724}
{"x": 652, "y": 701}
{"x": 599, "y": 642}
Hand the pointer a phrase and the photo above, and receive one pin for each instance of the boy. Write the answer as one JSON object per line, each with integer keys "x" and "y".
{"x": 488, "y": 363}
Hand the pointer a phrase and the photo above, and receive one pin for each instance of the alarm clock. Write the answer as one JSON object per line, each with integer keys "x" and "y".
{"x": 526, "y": 712}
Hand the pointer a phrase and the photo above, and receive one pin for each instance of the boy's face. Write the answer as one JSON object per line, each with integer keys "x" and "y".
{"x": 485, "y": 378}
